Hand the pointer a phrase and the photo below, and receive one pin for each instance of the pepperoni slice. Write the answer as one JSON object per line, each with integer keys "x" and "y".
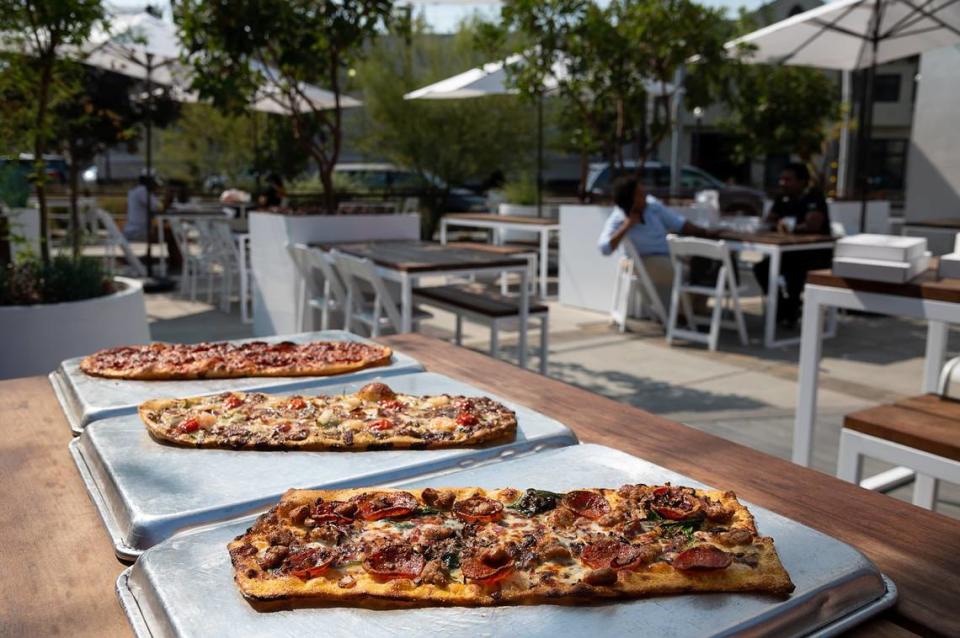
{"x": 332, "y": 511}
{"x": 309, "y": 563}
{"x": 675, "y": 504}
{"x": 297, "y": 403}
{"x": 394, "y": 561}
{"x": 616, "y": 555}
{"x": 586, "y": 503}
{"x": 601, "y": 553}
{"x": 702, "y": 558}
{"x": 377, "y": 505}
{"x": 488, "y": 567}
{"x": 478, "y": 509}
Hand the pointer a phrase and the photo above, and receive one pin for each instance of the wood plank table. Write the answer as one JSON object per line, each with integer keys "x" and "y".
{"x": 925, "y": 297}
{"x": 774, "y": 245}
{"x": 497, "y": 223}
{"x": 60, "y": 570}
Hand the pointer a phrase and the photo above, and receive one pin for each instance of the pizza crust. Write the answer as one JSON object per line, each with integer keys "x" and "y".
{"x": 658, "y": 578}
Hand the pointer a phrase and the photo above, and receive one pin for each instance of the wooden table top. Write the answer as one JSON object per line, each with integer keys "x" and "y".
{"x": 927, "y": 285}
{"x": 927, "y": 422}
{"x": 776, "y": 239}
{"x": 60, "y": 569}
{"x": 502, "y": 219}
{"x": 426, "y": 256}
{"x": 948, "y": 223}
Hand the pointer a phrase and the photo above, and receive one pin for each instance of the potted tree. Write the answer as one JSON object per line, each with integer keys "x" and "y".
{"x": 52, "y": 308}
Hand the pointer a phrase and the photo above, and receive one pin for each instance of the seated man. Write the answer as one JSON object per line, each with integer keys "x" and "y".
{"x": 646, "y": 222}
{"x": 799, "y": 209}
{"x": 135, "y": 228}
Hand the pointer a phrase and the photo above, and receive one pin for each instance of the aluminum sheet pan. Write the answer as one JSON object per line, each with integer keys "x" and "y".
{"x": 86, "y": 399}
{"x": 184, "y": 587}
{"x": 147, "y": 491}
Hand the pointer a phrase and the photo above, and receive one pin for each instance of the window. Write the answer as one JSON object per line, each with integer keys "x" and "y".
{"x": 797, "y": 9}
{"x": 886, "y": 87}
{"x": 888, "y": 163}
{"x": 695, "y": 180}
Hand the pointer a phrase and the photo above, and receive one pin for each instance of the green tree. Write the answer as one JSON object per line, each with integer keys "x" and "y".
{"x": 781, "y": 109}
{"x": 97, "y": 112}
{"x": 448, "y": 142}
{"x": 42, "y": 29}
{"x": 610, "y": 64}
{"x": 239, "y": 47}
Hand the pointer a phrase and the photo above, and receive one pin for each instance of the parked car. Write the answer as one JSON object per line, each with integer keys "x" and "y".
{"x": 656, "y": 177}
{"x": 385, "y": 178}
{"x": 57, "y": 168}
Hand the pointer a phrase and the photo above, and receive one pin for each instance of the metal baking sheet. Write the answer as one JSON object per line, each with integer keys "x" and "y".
{"x": 184, "y": 587}
{"x": 86, "y": 399}
{"x": 147, "y": 491}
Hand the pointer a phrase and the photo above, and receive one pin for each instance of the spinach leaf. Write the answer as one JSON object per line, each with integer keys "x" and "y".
{"x": 450, "y": 560}
{"x": 536, "y": 502}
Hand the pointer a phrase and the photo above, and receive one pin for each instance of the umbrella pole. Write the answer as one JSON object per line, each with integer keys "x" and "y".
{"x": 540, "y": 154}
{"x": 149, "y": 163}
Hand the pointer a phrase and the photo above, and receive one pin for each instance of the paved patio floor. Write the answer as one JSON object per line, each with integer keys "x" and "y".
{"x": 746, "y": 394}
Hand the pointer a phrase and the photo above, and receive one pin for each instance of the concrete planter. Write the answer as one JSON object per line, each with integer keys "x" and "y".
{"x": 35, "y": 339}
{"x": 587, "y": 278}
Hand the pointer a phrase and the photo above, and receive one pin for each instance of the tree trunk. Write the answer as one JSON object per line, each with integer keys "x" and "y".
{"x": 39, "y": 145}
{"x": 76, "y": 232}
{"x": 326, "y": 178}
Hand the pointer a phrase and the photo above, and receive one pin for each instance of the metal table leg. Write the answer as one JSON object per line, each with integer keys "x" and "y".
{"x": 811, "y": 341}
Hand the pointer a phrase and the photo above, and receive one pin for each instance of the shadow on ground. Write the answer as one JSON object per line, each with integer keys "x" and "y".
{"x": 649, "y": 394}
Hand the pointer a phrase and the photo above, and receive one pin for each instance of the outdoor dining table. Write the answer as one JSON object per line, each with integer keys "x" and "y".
{"x": 925, "y": 297}
{"x": 60, "y": 571}
{"x": 499, "y": 223}
{"x": 408, "y": 262}
{"x": 774, "y": 245}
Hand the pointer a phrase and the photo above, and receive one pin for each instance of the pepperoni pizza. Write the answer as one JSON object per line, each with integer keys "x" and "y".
{"x": 169, "y": 361}
{"x": 472, "y": 546}
{"x": 375, "y": 417}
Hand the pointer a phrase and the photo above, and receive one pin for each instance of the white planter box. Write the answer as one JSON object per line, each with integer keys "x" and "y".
{"x": 587, "y": 277}
{"x": 516, "y": 210}
{"x": 274, "y": 300}
{"x": 35, "y": 339}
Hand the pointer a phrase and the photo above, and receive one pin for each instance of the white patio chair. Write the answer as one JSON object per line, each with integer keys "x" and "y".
{"x": 116, "y": 240}
{"x": 682, "y": 249}
{"x": 634, "y": 289}
{"x": 369, "y": 300}
{"x": 193, "y": 265}
{"x": 328, "y": 294}
{"x": 225, "y": 255}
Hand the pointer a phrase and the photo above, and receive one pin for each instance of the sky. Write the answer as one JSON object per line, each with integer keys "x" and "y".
{"x": 445, "y": 17}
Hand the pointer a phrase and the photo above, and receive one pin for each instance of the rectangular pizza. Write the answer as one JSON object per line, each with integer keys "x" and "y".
{"x": 477, "y": 547}
{"x": 223, "y": 360}
{"x": 373, "y": 418}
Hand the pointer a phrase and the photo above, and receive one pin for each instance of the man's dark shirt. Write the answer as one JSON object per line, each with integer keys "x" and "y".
{"x": 809, "y": 201}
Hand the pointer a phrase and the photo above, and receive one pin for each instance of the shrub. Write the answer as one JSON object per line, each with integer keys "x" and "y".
{"x": 29, "y": 282}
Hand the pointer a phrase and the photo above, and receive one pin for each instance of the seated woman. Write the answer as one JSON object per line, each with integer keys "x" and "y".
{"x": 643, "y": 220}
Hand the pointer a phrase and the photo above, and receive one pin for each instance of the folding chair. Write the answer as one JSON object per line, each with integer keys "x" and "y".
{"x": 330, "y": 295}
{"x": 634, "y": 285}
{"x": 363, "y": 282}
{"x": 682, "y": 249}
{"x": 116, "y": 239}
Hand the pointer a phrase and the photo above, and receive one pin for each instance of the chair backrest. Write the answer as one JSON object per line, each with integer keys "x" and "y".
{"x": 116, "y": 237}
{"x": 649, "y": 290}
{"x": 221, "y": 239}
{"x": 307, "y": 260}
{"x": 355, "y": 270}
{"x": 180, "y": 230}
{"x": 698, "y": 247}
{"x": 837, "y": 229}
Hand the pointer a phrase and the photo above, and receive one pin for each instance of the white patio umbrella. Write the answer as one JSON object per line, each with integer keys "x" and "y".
{"x": 857, "y": 34}
{"x": 147, "y": 47}
{"x": 493, "y": 79}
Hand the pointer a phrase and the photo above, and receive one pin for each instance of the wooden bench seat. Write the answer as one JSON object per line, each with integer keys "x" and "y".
{"x": 487, "y": 308}
{"x": 922, "y": 433}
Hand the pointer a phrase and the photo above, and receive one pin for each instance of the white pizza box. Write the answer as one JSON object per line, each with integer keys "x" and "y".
{"x": 893, "y": 272}
{"x": 949, "y": 266}
{"x": 881, "y": 247}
